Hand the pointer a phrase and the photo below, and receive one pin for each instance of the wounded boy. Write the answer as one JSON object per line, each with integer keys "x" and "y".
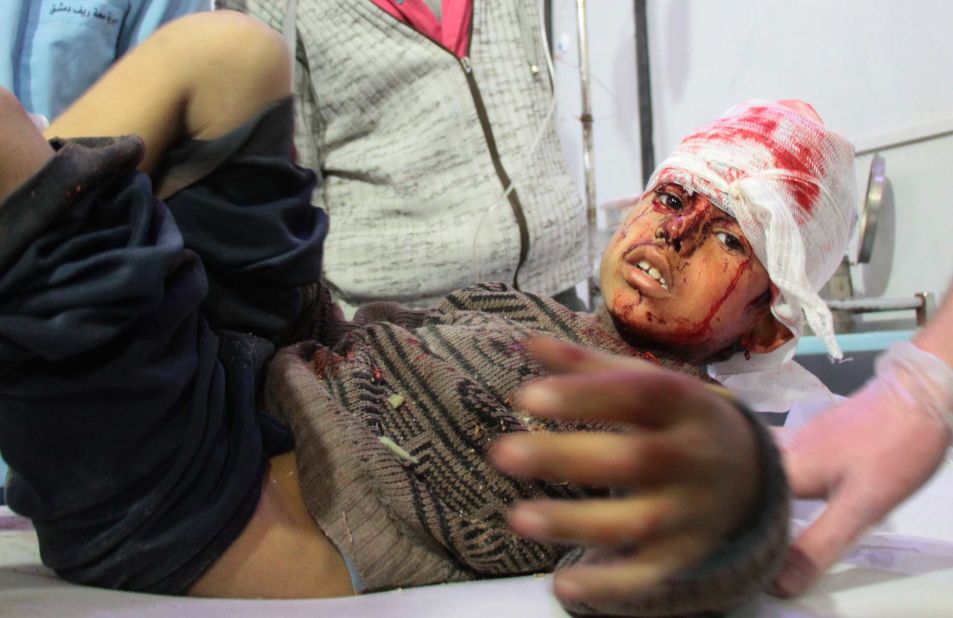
{"x": 135, "y": 334}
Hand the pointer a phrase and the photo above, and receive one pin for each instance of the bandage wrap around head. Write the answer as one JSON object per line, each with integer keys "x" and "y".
{"x": 789, "y": 182}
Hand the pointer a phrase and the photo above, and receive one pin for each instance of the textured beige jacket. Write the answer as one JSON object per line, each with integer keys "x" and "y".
{"x": 417, "y": 149}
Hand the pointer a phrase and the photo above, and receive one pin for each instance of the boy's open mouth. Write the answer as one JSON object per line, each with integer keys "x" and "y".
{"x": 646, "y": 269}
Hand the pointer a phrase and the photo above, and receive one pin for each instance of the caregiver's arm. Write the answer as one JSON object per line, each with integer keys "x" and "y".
{"x": 869, "y": 453}
{"x": 700, "y": 520}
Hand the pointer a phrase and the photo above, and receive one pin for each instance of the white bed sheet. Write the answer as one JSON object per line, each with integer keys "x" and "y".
{"x": 888, "y": 575}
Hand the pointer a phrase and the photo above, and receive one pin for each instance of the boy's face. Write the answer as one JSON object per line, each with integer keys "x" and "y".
{"x": 680, "y": 274}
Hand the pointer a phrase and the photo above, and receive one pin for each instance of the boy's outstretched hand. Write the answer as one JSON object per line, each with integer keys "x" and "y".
{"x": 686, "y": 475}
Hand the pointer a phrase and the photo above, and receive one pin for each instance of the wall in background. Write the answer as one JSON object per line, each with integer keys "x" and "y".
{"x": 614, "y": 96}
{"x": 878, "y": 71}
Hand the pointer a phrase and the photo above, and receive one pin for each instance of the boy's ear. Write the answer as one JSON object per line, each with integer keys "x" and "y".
{"x": 766, "y": 335}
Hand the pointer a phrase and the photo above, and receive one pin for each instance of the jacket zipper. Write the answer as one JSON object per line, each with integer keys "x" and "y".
{"x": 501, "y": 174}
{"x": 504, "y": 178}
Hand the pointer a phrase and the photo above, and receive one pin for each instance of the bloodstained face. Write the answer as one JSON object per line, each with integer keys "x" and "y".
{"x": 680, "y": 274}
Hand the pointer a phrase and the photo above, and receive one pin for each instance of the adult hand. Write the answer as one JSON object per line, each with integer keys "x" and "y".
{"x": 686, "y": 465}
{"x": 865, "y": 456}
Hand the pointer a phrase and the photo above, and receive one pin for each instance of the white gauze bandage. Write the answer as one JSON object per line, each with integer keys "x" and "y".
{"x": 789, "y": 182}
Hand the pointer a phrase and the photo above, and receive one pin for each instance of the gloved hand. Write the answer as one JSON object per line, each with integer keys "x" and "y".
{"x": 865, "y": 456}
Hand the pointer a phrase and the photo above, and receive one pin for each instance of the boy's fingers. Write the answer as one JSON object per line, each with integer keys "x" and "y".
{"x": 649, "y": 399}
{"x": 621, "y": 521}
{"x": 608, "y": 586}
{"x": 563, "y": 357}
{"x": 592, "y": 458}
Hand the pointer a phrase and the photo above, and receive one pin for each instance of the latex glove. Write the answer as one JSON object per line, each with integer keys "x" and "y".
{"x": 865, "y": 456}
{"x": 688, "y": 469}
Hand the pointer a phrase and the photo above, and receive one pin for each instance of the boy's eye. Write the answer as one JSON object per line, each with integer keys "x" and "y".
{"x": 670, "y": 200}
{"x": 733, "y": 243}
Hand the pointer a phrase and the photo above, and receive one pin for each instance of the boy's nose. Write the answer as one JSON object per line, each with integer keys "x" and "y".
{"x": 684, "y": 229}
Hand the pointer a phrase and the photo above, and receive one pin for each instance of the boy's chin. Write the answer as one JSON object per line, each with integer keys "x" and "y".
{"x": 645, "y": 340}
{"x": 695, "y": 351}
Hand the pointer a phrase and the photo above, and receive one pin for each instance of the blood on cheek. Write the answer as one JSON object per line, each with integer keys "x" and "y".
{"x": 623, "y": 306}
{"x": 691, "y": 332}
{"x": 632, "y": 220}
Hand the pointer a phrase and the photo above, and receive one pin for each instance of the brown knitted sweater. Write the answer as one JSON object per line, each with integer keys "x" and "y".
{"x": 392, "y": 415}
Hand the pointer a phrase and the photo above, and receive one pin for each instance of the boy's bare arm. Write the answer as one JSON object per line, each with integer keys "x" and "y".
{"x": 217, "y": 70}
{"x": 24, "y": 150}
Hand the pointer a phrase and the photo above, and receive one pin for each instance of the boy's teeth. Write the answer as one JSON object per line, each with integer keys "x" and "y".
{"x": 652, "y": 272}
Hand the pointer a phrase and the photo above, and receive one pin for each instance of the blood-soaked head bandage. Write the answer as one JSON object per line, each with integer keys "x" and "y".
{"x": 789, "y": 182}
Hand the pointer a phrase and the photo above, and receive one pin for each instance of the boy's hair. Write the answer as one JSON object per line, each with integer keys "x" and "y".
{"x": 789, "y": 182}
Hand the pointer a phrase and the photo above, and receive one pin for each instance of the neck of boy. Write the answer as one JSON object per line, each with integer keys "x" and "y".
{"x": 649, "y": 350}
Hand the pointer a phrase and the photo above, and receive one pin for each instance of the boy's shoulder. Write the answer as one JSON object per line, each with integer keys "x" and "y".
{"x": 504, "y": 306}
